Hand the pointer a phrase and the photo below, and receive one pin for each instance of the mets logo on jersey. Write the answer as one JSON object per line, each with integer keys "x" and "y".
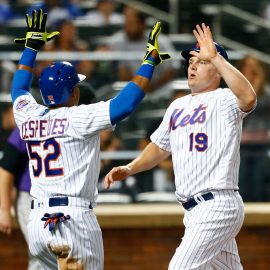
{"x": 179, "y": 119}
{"x": 21, "y": 104}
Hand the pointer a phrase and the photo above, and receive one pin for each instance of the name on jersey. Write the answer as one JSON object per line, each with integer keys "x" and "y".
{"x": 179, "y": 120}
{"x": 43, "y": 128}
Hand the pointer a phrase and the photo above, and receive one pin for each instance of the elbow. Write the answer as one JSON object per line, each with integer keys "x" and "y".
{"x": 252, "y": 98}
{"x": 250, "y": 102}
{"x": 118, "y": 113}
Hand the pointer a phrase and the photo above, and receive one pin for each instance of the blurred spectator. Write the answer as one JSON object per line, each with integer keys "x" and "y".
{"x": 7, "y": 122}
{"x": 14, "y": 170}
{"x": 160, "y": 178}
{"x": 87, "y": 93}
{"x": 68, "y": 41}
{"x": 254, "y": 169}
{"x": 57, "y": 10}
{"x": 109, "y": 142}
{"x": 104, "y": 72}
{"x": 132, "y": 39}
{"x": 256, "y": 127}
{"x": 104, "y": 14}
{"x": 6, "y": 12}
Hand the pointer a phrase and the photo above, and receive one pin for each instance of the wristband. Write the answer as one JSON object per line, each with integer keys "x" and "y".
{"x": 28, "y": 58}
{"x": 146, "y": 70}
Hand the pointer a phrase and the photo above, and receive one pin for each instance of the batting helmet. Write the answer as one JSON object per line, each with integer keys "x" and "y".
{"x": 57, "y": 82}
{"x": 186, "y": 53}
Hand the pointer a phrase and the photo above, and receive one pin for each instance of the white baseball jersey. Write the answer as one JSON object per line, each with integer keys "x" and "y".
{"x": 203, "y": 134}
{"x": 63, "y": 146}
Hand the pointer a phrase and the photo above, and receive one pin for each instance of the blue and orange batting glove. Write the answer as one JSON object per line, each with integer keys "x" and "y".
{"x": 53, "y": 219}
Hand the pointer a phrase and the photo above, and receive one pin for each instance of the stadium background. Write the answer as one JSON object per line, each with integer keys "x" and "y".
{"x": 141, "y": 221}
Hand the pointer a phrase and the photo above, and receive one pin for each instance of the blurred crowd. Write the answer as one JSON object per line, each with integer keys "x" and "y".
{"x": 125, "y": 30}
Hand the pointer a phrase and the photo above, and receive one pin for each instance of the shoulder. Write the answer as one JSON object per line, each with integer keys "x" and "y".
{"x": 181, "y": 100}
{"x": 178, "y": 103}
{"x": 23, "y": 101}
{"x": 220, "y": 93}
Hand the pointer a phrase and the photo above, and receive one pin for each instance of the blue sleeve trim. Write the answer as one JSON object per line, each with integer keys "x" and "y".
{"x": 21, "y": 83}
{"x": 146, "y": 70}
{"x": 125, "y": 102}
{"x": 28, "y": 57}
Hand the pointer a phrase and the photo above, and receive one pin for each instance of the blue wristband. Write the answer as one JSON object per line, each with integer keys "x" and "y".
{"x": 28, "y": 58}
{"x": 151, "y": 60}
{"x": 146, "y": 70}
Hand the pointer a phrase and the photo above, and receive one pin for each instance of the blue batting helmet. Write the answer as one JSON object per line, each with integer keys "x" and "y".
{"x": 57, "y": 82}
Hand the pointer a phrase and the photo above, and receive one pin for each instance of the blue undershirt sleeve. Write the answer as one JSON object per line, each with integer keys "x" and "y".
{"x": 23, "y": 78}
{"x": 131, "y": 95}
{"x": 125, "y": 102}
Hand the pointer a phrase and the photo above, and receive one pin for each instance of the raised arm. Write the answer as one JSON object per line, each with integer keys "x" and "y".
{"x": 131, "y": 95}
{"x": 236, "y": 81}
{"x": 151, "y": 156}
{"x": 36, "y": 37}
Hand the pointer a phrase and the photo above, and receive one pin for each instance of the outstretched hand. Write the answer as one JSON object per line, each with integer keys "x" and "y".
{"x": 116, "y": 174}
{"x": 153, "y": 44}
{"x": 36, "y": 35}
{"x": 204, "y": 38}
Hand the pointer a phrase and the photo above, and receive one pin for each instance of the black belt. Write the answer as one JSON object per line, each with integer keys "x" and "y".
{"x": 188, "y": 205}
{"x": 57, "y": 201}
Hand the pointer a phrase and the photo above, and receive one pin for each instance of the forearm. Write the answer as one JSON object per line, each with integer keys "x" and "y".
{"x": 23, "y": 76}
{"x": 237, "y": 82}
{"x": 131, "y": 95}
{"x": 6, "y": 184}
{"x": 151, "y": 156}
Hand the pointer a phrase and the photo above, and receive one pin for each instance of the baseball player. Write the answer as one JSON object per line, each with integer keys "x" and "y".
{"x": 202, "y": 132}
{"x": 63, "y": 148}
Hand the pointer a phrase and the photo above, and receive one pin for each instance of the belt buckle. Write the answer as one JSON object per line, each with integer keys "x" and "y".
{"x": 58, "y": 201}
{"x": 198, "y": 198}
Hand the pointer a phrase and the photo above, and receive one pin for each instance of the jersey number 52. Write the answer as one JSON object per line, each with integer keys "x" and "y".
{"x": 44, "y": 163}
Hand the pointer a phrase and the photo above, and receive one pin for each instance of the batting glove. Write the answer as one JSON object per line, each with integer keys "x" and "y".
{"x": 152, "y": 44}
{"x": 53, "y": 219}
{"x": 36, "y": 35}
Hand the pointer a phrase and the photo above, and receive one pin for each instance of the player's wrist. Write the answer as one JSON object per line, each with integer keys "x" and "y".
{"x": 34, "y": 44}
{"x": 28, "y": 57}
{"x": 216, "y": 57}
{"x": 146, "y": 69}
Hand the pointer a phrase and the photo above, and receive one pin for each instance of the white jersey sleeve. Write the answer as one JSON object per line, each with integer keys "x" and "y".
{"x": 89, "y": 120}
{"x": 161, "y": 137}
{"x": 230, "y": 106}
{"x": 23, "y": 108}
